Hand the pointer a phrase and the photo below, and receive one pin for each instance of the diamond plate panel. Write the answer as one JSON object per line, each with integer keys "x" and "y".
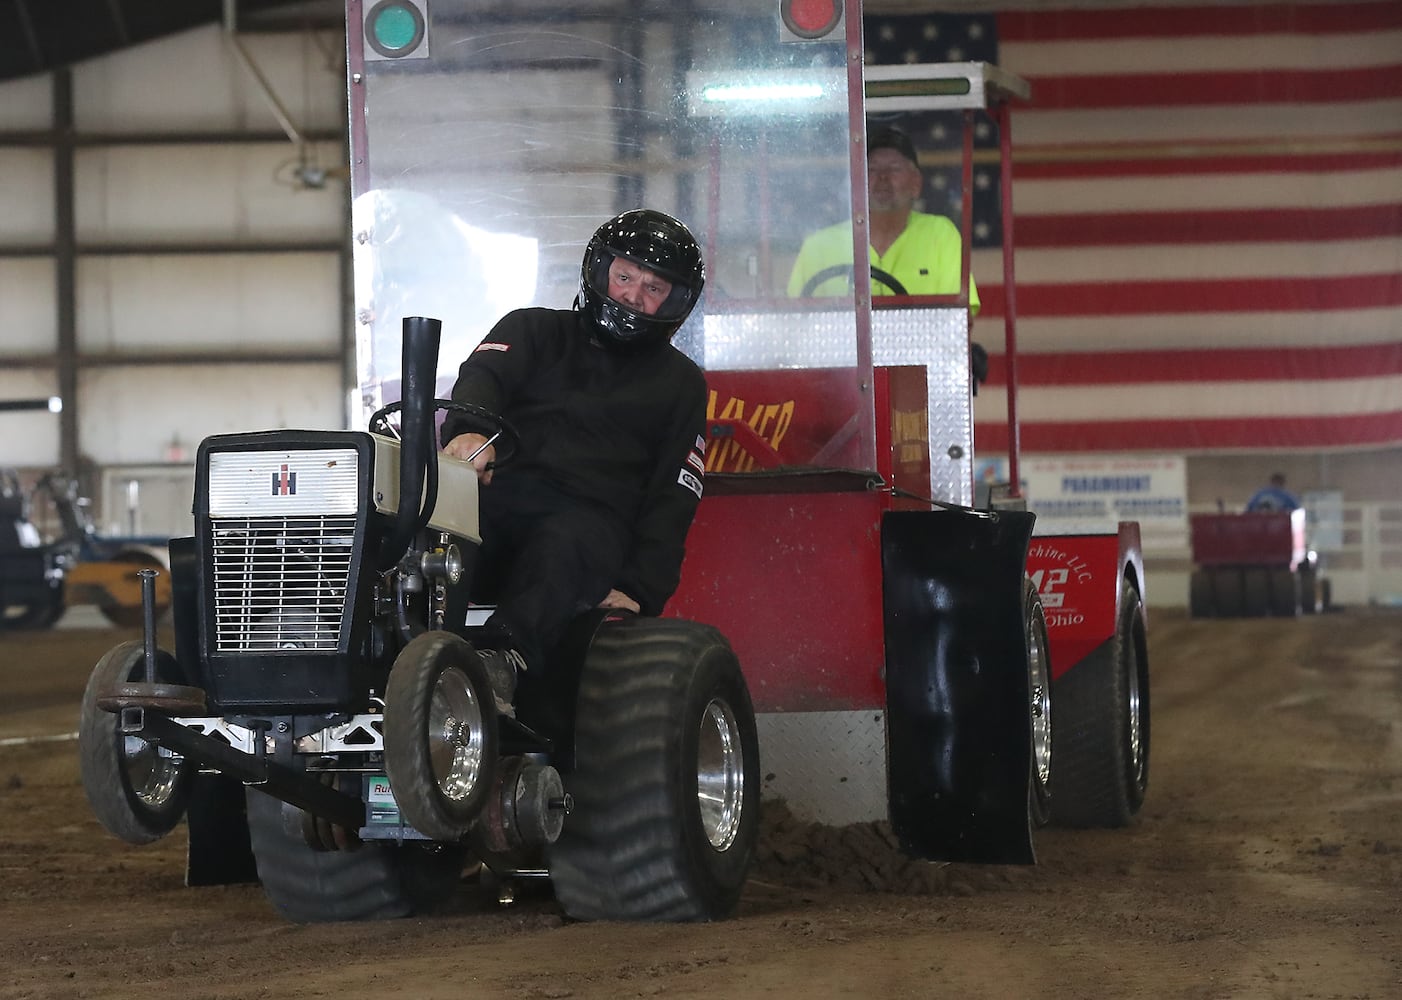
{"x": 935, "y": 338}
{"x": 759, "y": 341}
{"x": 829, "y": 767}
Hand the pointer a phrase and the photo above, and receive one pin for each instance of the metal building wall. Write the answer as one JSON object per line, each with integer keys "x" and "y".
{"x": 172, "y": 251}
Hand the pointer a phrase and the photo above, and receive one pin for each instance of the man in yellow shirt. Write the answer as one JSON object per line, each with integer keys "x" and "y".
{"x": 920, "y": 251}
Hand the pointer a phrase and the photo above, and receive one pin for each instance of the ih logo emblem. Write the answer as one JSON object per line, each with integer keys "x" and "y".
{"x": 284, "y": 483}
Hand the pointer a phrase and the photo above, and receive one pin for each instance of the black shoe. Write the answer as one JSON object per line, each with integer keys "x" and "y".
{"x": 502, "y": 667}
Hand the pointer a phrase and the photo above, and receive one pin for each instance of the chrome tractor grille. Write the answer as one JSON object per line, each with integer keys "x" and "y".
{"x": 280, "y": 585}
{"x": 282, "y": 538}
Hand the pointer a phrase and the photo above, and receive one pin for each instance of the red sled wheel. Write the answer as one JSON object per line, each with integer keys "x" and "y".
{"x": 1102, "y": 727}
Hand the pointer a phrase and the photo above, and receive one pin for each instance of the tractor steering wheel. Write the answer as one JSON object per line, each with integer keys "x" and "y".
{"x": 507, "y": 440}
{"x": 837, "y": 270}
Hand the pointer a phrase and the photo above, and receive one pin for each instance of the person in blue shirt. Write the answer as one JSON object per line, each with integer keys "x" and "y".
{"x": 1273, "y": 497}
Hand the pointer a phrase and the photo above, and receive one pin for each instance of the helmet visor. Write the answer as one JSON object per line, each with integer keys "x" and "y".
{"x": 673, "y": 306}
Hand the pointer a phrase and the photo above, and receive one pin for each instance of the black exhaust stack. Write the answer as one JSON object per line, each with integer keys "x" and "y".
{"x": 418, "y": 455}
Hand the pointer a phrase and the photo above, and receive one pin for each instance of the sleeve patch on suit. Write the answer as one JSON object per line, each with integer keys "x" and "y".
{"x": 491, "y": 346}
{"x": 691, "y": 481}
{"x": 697, "y": 458}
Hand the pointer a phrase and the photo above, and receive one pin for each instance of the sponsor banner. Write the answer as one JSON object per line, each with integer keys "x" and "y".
{"x": 1092, "y": 494}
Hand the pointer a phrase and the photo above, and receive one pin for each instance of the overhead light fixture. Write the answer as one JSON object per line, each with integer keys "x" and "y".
{"x": 54, "y": 404}
{"x": 722, "y": 92}
{"x": 805, "y": 91}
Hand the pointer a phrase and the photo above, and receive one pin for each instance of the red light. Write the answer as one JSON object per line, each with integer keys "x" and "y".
{"x": 810, "y": 18}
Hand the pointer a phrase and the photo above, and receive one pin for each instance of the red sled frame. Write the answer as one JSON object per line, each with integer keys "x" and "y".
{"x": 880, "y": 619}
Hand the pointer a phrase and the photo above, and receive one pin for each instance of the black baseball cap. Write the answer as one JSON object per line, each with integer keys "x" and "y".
{"x": 890, "y": 137}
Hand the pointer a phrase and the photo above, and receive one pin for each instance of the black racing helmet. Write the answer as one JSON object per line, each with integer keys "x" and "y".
{"x": 657, "y": 242}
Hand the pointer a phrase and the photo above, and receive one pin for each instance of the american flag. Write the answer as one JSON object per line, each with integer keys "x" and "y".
{"x": 1208, "y": 216}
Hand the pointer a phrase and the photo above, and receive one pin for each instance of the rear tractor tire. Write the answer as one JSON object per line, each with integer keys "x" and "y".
{"x": 666, "y": 782}
{"x": 367, "y": 881}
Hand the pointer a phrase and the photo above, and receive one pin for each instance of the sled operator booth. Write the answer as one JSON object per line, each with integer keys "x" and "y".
{"x": 908, "y": 314}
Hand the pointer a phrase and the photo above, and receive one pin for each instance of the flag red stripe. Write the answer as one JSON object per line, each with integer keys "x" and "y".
{"x": 1142, "y": 298}
{"x": 1355, "y": 222}
{"x": 1230, "y": 365}
{"x": 1158, "y": 90}
{"x": 1077, "y": 162}
{"x": 1188, "y": 434}
{"x": 1292, "y": 18}
{"x": 1265, "y": 318}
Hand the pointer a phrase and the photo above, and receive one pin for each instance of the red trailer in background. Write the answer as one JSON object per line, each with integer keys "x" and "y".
{"x": 1253, "y": 565}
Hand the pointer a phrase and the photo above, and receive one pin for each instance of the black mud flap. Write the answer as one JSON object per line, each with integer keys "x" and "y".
{"x": 220, "y": 853}
{"x": 959, "y": 738}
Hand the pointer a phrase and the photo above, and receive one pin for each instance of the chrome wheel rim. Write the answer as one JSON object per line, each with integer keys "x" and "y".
{"x": 720, "y": 775}
{"x": 455, "y": 735}
{"x": 1136, "y": 720}
{"x": 1039, "y": 687}
{"x": 152, "y": 773}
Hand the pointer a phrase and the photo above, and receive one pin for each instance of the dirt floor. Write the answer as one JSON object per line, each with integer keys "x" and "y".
{"x": 1267, "y": 862}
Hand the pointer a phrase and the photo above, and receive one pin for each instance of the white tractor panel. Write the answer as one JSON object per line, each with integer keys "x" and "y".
{"x": 142, "y": 414}
{"x": 216, "y": 302}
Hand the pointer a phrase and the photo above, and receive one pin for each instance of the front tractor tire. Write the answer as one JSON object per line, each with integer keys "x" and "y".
{"x": 137, "y": 790}
{"x": 666, "y": 781}
{"x": 440, "y": 735}
{"x": 1102, "y": 727}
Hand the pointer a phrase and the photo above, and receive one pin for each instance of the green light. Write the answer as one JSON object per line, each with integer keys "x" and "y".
{"x": 395, "y": 28}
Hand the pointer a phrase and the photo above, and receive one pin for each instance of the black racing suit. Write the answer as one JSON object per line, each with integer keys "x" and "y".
{"x": 605, "y": 485}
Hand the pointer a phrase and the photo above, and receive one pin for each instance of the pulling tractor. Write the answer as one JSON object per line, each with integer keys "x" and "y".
{"x": 31, "y": 569}
{"x": 323, "y": 723}
{"x": 327, "y": 723}
{"x": 42, "y": 577}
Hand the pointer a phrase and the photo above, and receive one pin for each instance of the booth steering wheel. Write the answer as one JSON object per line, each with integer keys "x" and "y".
{"x": 837, "y": 270}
